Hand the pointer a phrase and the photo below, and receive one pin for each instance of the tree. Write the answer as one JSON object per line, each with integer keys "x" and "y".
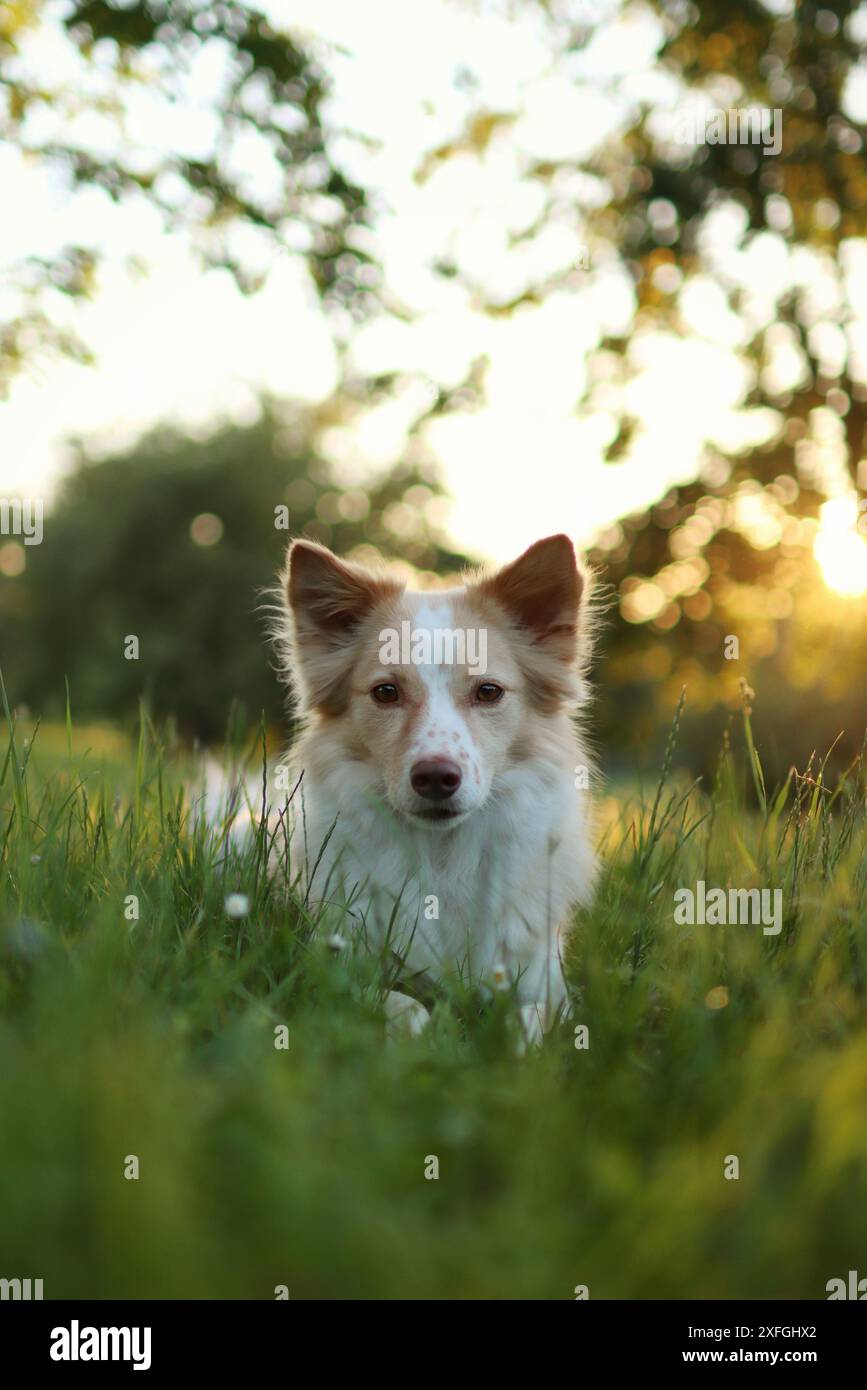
{"x": 175, "y": 545}
{"x": 730, "y": 552}
{"x": 139, "y": 63}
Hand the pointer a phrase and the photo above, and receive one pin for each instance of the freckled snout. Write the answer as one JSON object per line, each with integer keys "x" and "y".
{"x": 436, "y": 779}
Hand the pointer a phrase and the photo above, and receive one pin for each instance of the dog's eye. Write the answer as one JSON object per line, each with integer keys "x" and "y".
{"x": 488, "y": 693}
{"x": 385, "y": 694}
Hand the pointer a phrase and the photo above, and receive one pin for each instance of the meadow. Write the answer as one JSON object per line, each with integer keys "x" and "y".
{"x": 138, "y": 1020}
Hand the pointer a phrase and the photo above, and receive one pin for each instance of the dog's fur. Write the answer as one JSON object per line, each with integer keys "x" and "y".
{"x": 486, "y": 892}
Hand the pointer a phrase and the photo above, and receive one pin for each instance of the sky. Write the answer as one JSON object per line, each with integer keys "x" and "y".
{"x": 186, "y": 346}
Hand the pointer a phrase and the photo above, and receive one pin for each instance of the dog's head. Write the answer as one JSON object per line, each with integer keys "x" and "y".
{"x": 438, "y": 694}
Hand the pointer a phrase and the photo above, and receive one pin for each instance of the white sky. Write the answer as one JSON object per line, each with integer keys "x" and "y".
{"x": 187, "y": 346}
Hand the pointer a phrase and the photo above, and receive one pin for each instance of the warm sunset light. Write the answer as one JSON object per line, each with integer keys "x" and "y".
{"x": 840, "y": 548}
{"x": 433, "y": 654}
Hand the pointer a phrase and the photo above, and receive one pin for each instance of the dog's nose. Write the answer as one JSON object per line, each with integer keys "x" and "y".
{"x": 435, "y": 780}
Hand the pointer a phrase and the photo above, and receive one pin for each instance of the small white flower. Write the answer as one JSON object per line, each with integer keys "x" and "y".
{"x": 336, "y": 942}
{"x": 500, "y": 976}
{"x": 237, "y": 905}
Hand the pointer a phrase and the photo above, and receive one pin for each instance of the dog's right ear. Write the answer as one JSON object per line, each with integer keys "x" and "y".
{"x": 327, "y": 599}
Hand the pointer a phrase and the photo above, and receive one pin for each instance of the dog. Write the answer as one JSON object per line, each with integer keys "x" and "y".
{"x": 443, "y": 809}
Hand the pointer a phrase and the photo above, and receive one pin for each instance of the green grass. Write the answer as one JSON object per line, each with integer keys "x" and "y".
{"x": 305, "y": 1167}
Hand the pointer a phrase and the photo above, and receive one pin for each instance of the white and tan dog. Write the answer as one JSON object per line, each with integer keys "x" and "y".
{"x": 444, "y": 808}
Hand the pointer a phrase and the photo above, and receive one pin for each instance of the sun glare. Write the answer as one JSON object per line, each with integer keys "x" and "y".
{"x": 840, "y": 547}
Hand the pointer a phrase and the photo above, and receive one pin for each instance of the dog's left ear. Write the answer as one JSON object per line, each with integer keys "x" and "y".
{"x": 541, "y": 592}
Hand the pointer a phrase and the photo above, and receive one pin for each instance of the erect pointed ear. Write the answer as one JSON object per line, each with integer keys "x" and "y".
{"x": 327, "y": 599}
{"x": 541, "y": 592}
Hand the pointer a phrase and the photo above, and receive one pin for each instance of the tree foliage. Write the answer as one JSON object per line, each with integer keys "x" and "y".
{"x": 731, "y": 551}
{"x": 258, "y": 95}
{"x": 176, "y": 545}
